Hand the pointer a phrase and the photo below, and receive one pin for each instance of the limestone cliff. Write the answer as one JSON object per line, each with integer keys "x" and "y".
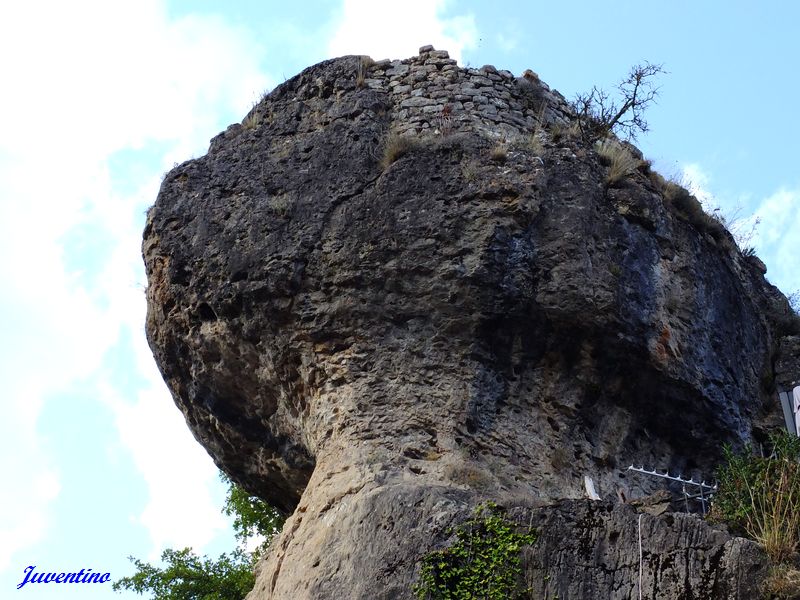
{"x": 376, "y": 339}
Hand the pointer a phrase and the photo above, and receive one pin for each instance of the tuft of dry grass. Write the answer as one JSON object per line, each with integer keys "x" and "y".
{"x": 468, "y": 475}
{"x": 396, "y": 146}
{"x": 725, "y": 230}
{"x": 557, "y": 132}
{"x": 679, "y": 197}
{"x": 252, "y": 120}
{"x": 535, "y": 145}
{"x": 621, "y": 163}
{"x": 691, "y": 208}
{"x": 657, "y": 180}
{"x": 532, "y": 143}
{"x": 364, "y": 63}
{"x": 782, "y": 583}
{"x": 565, "y": 133}
{"x": 281, "y": 204}
{"x": 469, "y": 170}
{"x": 432, "y": 455}
{"x": 499, "y": 153}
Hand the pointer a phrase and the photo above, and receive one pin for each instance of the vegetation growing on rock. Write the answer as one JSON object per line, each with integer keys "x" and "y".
{"x": 483, "y": 562}
{"x": 759, "y": 496}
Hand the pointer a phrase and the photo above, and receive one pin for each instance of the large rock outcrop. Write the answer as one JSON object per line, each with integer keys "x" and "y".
{"x": 375, "y": 333}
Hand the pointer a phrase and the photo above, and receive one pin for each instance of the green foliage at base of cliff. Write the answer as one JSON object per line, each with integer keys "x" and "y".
{"x": 484, "y": 561}
{"x": 760, "y": 496}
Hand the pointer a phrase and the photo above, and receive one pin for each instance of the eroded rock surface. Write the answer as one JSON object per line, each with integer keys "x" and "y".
{"x": 377, "y": 347}
{"x": 592, "y": 550}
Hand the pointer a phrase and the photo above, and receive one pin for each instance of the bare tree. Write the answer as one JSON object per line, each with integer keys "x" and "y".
{"x": 599, "y": 114}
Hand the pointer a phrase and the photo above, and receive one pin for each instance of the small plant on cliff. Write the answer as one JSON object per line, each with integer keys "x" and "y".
{"x": 499, "y": 153}
{"x": 621, "y": 163}
{"x": 483, "y": 562}
{"x": 253, "y": 118}
{"x": 364, "y": 63}
{"x": 396, "y": 146}
{"x": 782, "y": 583}
{"x": 760, "y": 497}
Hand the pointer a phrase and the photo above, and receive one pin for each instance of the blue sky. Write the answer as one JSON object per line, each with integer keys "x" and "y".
{"x": 101, "y": 98}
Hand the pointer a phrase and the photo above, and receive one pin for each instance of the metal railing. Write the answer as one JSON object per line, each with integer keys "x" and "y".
{"x": 704, "y": 491}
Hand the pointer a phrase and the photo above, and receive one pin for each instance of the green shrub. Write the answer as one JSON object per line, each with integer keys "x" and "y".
{"x": 760, "y": 497}
{"x": 483, "y": 562}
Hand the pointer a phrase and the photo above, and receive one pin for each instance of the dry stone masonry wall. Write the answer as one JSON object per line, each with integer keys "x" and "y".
{"x": 432, "y": 94}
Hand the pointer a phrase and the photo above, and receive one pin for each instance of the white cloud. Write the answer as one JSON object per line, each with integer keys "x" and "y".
{"x": 777, "y": 237}
{"x": 180, "y": 512}
{"x": 88, "y": 79}
{"x": 507, "y": 43}
{"x": 742, "y": 223}
{"x": 771, "y": 228}
{"x": 99, "y": 76}
{"x": 387, "y": 30}
{"x": 697, "y": 181}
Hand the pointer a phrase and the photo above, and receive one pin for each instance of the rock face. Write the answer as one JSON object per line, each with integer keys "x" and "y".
{"x": 376, "y": 333}
{"x": 591, "y": 550}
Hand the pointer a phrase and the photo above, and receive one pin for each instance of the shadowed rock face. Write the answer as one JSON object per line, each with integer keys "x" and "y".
{"x": 377, "y": 349}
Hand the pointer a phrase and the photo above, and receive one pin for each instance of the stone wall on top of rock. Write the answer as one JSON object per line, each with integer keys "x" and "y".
{"x": 430, "y": 92}
{"x": 375, "y": 342}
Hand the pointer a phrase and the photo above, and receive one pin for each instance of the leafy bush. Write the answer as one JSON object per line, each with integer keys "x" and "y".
{"x": 186, "y": 576}
{"x": 484, "y": 561}
{"x": 760, "y": 497}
